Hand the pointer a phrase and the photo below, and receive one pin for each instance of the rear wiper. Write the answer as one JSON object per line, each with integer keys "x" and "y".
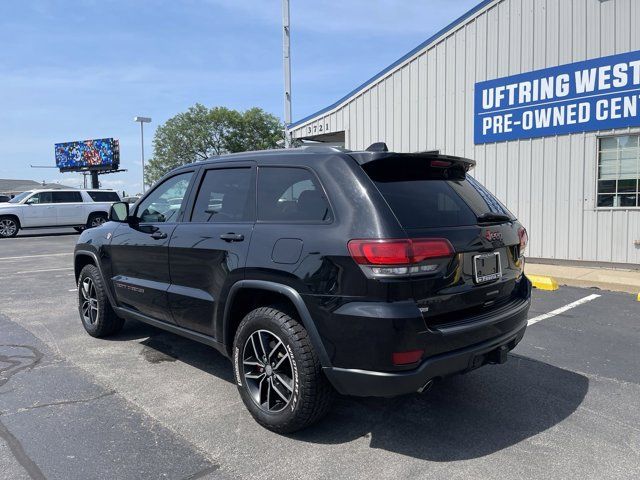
{"x": 493, "y": 217}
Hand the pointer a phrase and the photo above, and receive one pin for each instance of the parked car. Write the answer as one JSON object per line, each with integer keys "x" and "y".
{"x": 79, "y": 209}
{"x": 316, "y": 270}
{"x": 4, "y": 198}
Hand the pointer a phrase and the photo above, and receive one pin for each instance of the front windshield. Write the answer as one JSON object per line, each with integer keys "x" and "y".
{"x": 20, "y": 196}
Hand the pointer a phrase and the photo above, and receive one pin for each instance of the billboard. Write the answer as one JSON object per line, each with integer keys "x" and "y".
{"x": 598, "y": 94}
{"x": 100, "y": 154}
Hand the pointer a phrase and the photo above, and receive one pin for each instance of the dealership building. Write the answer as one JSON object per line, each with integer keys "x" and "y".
{"x": 543, "y": 94}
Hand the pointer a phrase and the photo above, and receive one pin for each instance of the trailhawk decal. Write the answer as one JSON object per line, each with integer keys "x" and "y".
{"x": 236, "y": 366}
{"x": 131, "y": 288}
{"x": 294, "y": 398}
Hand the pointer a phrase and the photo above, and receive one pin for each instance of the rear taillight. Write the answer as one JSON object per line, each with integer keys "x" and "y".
{"x": 392, "y": 257}
{"x": 524, "y": 239}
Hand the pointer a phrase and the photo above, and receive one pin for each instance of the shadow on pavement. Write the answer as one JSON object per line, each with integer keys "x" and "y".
{"x": 463, "y": 417}
{"x": 460, "y": 418}
{"x": 163, "y": 346}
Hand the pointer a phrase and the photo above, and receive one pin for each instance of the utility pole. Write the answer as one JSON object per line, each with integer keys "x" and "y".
{"x": 286, "y": 52}
{"x": 95, "y": 183}
{"x": 142, "y": 121}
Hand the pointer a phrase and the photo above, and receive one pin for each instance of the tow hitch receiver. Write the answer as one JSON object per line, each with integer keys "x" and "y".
{"x": 499, "y": 355}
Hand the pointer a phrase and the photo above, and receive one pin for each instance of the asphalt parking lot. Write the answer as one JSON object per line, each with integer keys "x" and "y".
{"x": 149, "y": 404}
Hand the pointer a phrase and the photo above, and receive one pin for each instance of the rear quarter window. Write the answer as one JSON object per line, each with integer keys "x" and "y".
{"x": 104, "y": 196}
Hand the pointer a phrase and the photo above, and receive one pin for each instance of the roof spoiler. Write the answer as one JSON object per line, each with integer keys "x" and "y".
{"x": 435, "y": 159}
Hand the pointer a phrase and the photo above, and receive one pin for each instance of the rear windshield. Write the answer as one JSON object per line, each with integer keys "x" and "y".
{"x": 104, "y": 196}
{"x": 423, "y": 197}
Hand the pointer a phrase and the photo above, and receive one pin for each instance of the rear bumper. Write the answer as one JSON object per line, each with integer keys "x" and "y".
{"x": 366, "y": 383}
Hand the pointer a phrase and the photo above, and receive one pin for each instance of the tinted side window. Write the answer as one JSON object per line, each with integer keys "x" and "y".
{"x": 104, "y": 196}
{"x": 164, "y": 203}
{"x": 225, "y": 195}
{"x": 291, "y": 195}
{"x": 67, "y": 197}
{"x": 38, "y": 198}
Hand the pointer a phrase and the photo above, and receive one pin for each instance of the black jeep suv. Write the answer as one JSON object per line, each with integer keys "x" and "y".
{"x": 316, "y": 270}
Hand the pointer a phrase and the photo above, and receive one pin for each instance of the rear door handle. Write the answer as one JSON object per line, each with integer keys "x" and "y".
{"x": 232, "y": 237}
{"x": 158, "y": 235}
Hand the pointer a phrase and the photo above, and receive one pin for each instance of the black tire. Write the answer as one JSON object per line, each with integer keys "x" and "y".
{"x": 96, "y": 219}
{"x": 310, "y": 393}
{"x": 79, "y": 229}
{"x": 96, "y": 314}
{"x": 9, "y": 227}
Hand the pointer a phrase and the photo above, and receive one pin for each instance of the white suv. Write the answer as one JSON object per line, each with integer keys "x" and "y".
{"x": 79, "y": 209}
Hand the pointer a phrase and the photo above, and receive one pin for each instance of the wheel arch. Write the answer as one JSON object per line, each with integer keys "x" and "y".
{"x": 13, "y": 216}
{"x": 264, "y": 293}
{"x": 82, "y": 258}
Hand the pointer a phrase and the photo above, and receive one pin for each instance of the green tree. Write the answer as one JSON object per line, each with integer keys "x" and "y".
{"x": 200, "y": 133}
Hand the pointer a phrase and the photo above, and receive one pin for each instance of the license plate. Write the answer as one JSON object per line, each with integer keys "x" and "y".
{"x": 486, "y": 267}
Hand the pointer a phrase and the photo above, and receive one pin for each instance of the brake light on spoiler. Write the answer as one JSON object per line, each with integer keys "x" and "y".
{"x": 398, "y": 257}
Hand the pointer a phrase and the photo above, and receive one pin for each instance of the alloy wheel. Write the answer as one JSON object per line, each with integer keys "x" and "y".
{"x": 89, "y": 301}
{"x": 8, "y": 227}
{"x": 268, "y": 371}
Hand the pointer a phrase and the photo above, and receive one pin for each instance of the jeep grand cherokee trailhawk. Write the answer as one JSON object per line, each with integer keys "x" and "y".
{"x": 316, "y": 270}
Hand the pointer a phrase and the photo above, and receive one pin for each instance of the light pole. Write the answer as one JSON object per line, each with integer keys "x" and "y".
{"x": 142, "y": 121}
{"x": 286, "y": 61}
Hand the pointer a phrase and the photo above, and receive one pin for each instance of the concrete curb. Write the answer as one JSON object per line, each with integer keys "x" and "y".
{"x": 542, "y": 282}
{"x": 613, "y": 287}
{"x": 616, "y": 280}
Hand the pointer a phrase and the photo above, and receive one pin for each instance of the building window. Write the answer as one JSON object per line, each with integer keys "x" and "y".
{"x": 619, "y": 171}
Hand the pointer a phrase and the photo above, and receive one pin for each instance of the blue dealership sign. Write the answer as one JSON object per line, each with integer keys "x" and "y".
{"x": 599, "y": 94}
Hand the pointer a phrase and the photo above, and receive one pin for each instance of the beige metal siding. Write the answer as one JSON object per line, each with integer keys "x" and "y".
{"x": 426, "y": 103}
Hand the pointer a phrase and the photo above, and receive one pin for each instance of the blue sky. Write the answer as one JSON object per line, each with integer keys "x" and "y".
{"x": 79, "y": 69}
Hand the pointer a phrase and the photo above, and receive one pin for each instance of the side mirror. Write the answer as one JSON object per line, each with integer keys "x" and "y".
{"x": 119, "y": 212}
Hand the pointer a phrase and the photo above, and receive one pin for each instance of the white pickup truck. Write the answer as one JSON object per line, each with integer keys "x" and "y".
{"x": 79, "y": 209}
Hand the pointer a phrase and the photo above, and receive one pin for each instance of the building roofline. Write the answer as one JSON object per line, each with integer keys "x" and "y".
{"x": 402, "y": 59}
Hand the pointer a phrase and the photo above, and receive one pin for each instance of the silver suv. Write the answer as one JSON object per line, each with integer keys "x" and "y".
{"x": 79, "y": 209}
